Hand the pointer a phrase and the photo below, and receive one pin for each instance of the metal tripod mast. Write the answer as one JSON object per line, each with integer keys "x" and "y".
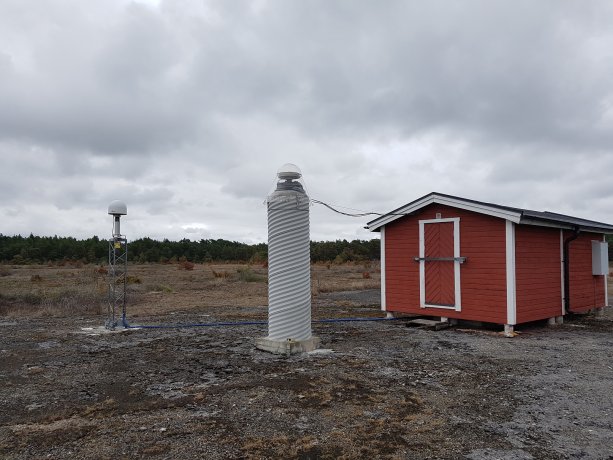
{"x": 118, "y": 269}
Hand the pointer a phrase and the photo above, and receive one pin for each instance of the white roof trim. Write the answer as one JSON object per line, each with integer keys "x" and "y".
{"x": 447, "y": 201}
{"x": 540, "y": 223}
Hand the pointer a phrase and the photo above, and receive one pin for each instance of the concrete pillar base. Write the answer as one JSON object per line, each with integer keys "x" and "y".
{"x": 389, "y": 315}
{"x": 287, "y": 347}
{"x": 508, "y": 330}
{"x": 599, "y": 311}
{"x": 559, "y": 320}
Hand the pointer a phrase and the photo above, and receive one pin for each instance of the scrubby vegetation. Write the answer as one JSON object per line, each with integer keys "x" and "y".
{"x": 21, "y": 250}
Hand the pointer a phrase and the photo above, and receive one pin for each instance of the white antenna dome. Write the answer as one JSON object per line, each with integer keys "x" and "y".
{"x": 289, "y": 171}
{"x": 118, "y": 208}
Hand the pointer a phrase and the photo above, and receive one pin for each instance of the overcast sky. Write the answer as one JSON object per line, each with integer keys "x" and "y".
{"x": 185, "y": 110}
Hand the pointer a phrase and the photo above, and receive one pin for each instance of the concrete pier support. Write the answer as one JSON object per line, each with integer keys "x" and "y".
{"x": 287, "y": 347}
{"x": 508, "y": 330}
{"x": 555, "y": 321}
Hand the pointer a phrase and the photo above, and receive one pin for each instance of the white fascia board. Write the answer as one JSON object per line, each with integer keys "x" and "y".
{"x": 544, "y": 223}
{"x": 446, "y": 201}
{"x": 540, "y": 223}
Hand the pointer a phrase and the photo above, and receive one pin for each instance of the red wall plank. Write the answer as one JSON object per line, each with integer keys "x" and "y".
{"x": 538, "y": 273}
{"x": 482, "y": 277}
{"x": 586, "y": 290}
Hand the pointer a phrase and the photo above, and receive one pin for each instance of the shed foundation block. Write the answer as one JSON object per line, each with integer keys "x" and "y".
{"x": 450, "y": 321}
{"x": 555, "y": 321}
{"x": 599, "y": 311}
{"x": 287, "y": 347}
{"x": 508, "y": 330}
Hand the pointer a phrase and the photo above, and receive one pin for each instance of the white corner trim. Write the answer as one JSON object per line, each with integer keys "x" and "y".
{"x": 606, "y": 287}
{"x": 383, "y": 302}
{"x": 562, "y": 271}
{"x": 510, "y": 269}
{"x": 422, "y": 267}
{"x": 456, "y": 264}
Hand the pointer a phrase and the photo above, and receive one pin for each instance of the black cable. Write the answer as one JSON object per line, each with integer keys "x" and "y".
{"x": 362, "y": 214}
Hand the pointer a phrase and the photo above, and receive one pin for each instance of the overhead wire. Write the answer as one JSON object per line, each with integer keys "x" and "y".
{"x": 360, "y": 214}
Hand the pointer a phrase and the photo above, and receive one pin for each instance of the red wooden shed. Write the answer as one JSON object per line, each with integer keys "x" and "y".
{"x": 456, "y": 258}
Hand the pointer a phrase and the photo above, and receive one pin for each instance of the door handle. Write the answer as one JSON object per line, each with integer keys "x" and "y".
{"x": 441, "y": 259}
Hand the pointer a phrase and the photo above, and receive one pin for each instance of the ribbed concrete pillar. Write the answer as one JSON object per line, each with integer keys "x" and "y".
{"x": 289, "y": 267}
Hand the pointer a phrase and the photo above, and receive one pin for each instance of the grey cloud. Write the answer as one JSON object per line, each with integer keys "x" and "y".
{"x": 186, "y": 109}
{"x": 336, "y": 69}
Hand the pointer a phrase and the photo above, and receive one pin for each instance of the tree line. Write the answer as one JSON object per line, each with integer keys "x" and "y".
{"x": 44, "y": 249}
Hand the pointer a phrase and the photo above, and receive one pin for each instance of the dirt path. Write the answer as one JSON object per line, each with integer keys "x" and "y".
{"x": 377, "y": 390}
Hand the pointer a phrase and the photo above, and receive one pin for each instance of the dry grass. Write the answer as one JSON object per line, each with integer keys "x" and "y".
{"x": 52, "y": 291}
{"x": 157, "y": 288}
{"x": 345, "y": 277}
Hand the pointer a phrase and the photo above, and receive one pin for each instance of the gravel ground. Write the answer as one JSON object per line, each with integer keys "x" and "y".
{"x": 375, "y": 390}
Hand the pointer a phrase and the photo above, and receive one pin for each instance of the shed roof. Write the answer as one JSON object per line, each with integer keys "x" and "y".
{"x": 516, "y": 215}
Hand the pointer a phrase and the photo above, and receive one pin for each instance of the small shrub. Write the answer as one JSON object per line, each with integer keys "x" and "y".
{"x": 36, "y": 278}
{"x": 5, "y": 271}
{"x": 161, "y": 288}
{"x": 247, "y": 274}
{"x": 32, "y": 298}
{"x": 186, "y": 265}
{"x": 221, "y": 274}
{"x": 102, "y": 270}
{"x": 131, "y": 279}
